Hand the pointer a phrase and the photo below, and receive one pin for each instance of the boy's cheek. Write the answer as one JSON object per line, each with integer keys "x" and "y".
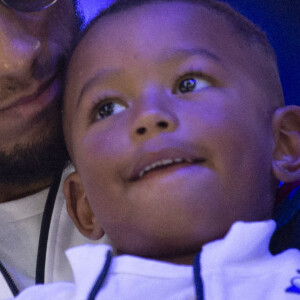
{"x": 98, "y": 154}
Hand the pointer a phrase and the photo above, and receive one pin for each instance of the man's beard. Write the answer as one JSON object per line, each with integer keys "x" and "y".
{"x": 34, "y": 162}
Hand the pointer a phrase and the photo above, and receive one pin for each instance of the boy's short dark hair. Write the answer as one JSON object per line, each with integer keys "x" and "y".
{"x": 251, "y": 34}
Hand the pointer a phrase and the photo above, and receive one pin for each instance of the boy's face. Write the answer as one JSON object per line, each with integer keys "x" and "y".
{"x": 167, "y": 87}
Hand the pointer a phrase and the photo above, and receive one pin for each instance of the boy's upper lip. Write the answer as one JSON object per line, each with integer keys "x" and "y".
{"x": 147, "y": 159}
{"x": 36, "y": 89}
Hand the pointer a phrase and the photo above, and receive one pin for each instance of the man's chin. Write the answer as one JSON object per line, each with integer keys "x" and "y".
{"x": 33, "y": 162}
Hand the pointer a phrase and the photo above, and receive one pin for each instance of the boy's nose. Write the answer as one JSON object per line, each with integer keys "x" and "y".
{"x": 18, "y": 49}
{"x": 153, "y": 122}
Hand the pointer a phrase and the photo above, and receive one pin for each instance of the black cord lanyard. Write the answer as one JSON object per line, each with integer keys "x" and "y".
{"x": 102, "y": 276}
{"x": 12, "y": 285}
{"x": 42, "y": 248}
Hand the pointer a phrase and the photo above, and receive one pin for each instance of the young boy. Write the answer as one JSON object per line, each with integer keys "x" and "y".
{"x": 174, "y": 120}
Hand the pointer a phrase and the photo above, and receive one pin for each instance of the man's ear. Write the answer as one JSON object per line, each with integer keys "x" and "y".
{"x": 79, "y": 208}
{"x": 286, "y": 154}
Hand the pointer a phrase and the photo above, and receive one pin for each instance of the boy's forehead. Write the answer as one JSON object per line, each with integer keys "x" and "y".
{"x": 158, "y": 29}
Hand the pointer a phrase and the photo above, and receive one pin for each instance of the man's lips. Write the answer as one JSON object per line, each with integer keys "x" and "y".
{"x": 162, "y": 160}
{"x": 23, "y": 100}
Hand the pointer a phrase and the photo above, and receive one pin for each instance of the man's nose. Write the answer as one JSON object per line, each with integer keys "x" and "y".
{"x": 152, "y": 118}
{"x": 18, "y": 49}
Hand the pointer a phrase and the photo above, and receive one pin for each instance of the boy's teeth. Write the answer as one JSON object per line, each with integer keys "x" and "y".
{"x": 154, "y": 165}
{"x": 177, "y": 160}
{"x": 167, "y": 161}
{"x": 160, "y": 163}
{"x": 148, "y": 168}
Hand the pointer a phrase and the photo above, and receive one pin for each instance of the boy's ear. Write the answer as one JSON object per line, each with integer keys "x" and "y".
{"x": 79, "y": 208}
{"x": 286, "y": 154}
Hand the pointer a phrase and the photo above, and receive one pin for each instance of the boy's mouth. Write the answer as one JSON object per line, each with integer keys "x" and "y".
{"x": 165, "y": 163}
{"x": 159, "y": 164}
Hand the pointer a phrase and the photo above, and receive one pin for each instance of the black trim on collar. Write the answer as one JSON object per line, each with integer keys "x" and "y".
{"x": 101, "y": 278}
{"x": 197, "y": 278}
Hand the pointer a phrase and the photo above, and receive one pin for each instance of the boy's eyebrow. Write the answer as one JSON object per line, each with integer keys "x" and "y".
{"x": 175, "y": 52}
{"x": 93, "y": 81}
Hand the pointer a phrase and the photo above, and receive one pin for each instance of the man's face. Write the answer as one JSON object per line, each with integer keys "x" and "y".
{"x": 33, "y": 50}
{"x": 167, "y": 122}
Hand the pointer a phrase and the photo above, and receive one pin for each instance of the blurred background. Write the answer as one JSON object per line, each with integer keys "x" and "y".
{"x": 280, "y": 19}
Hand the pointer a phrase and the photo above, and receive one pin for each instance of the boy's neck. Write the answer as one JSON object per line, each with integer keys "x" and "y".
{"x": 180, "y": 260}
{"x": 187, "y": 259}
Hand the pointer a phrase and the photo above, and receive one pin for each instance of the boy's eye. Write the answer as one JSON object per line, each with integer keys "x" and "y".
{"x": 192, "y": 83}
{"x": 108, "y": 109}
